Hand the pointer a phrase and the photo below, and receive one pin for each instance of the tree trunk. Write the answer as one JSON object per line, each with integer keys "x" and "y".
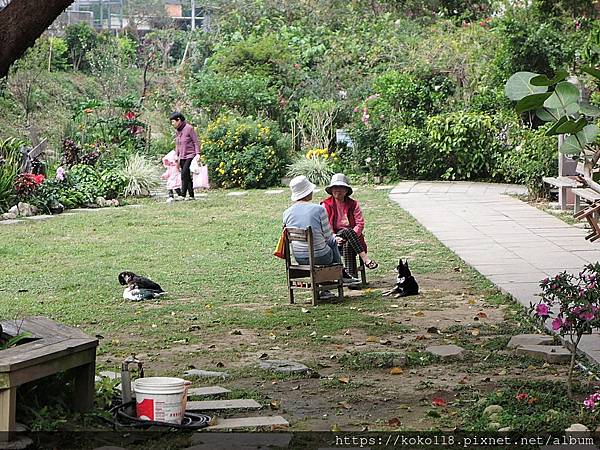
{"x": 21, "y": 23}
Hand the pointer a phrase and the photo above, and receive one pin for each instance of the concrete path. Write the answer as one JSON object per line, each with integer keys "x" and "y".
{"x": 513, "y": 244}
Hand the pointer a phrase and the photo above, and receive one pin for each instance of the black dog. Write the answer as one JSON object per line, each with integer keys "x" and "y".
{"x": 139, "y": 288}
{"x": 405, "y": 283}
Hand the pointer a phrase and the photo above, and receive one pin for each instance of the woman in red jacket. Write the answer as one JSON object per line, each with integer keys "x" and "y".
{"x": 345, "y": 218}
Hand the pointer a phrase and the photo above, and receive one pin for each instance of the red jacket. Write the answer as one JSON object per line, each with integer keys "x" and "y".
{"x": 329, "y": 204}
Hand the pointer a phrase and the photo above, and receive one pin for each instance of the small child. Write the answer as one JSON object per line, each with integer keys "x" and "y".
{"x": 172, "y": 175}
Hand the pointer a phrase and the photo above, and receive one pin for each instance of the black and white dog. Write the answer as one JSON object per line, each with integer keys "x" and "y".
{"x": 405, "y": 283}
{"x": 139, "y": 288}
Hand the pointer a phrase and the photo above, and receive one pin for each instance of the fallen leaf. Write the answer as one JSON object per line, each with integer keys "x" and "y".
{"x": 335, "y": 428}
{"x": 457, "y": 269}
{"x": 372, "y": 339}
{"x": 437, "y": 401}
{"x": 396, "y": 371}
{"x": 304, "y": 310}
{"x": 394, "y": 422}
{"x": 385, "y": 341}
{"x": 502, "y": 372}
{"x": 345, "y": 405}
{"x": 313, "y": 334}
{"x": 463, "y": 380}
{"x": 419, "y": 314}
{"x": 236, "y": 333}
{"x": 433, "y": 330}
{"x": 344, "y": 379}
{"x": 482, "y": 315}
{"x": 212, "y": 346}
{"x": 295, "y": 388}
{"x": 220, "y": 364}
{"x": 421, "y": 337}
{"x": 325, "y": 336}
{"x": 486, "y": 380}
{"x": 475, "y": 332}
{"x": 274, "y": 404}
{"x": 275, "y": 347}
{"x": 272, "y": 336}
{"x": 394, "y": 306}
{"x": 263, "y": 356}
{"x": 347, "y": 333}
{"x": 471, "y": 301}
{"x": 360, "y": 343}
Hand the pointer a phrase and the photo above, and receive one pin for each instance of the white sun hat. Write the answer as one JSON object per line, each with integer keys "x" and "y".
{"x": 300, "y": 187}
{"x": 339, "y": 179}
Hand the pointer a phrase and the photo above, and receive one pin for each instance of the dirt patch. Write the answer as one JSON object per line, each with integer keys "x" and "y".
{"x": 341, "y": 393}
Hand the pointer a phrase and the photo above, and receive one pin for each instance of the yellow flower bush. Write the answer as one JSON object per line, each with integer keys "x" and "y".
{"x": 242, "y": 152}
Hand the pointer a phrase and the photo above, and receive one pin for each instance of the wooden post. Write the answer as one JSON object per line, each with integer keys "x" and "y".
{"x": 567, "y": 167}
{"x": 8, "y": 406}
{"x": 84, "y": 387}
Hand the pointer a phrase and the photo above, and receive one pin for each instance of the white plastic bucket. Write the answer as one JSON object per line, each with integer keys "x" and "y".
{"x": 161, "y": 399}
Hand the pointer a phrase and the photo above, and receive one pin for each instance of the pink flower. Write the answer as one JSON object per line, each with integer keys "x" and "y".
{"x": 60, "y": 174}
{"x": 522, "y": 396}
{"x": 542, "y": 310}
{"x": 557, "y": 324}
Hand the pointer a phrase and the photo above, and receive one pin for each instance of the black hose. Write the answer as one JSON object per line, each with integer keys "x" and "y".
{"x": 189, "y": 422}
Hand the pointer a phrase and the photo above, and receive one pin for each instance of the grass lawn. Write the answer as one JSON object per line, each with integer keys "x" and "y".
{"x": 227, "y": 307}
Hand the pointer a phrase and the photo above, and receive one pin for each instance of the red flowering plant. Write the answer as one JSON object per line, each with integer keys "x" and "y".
{"x": 25, "y": 184}
{"x": 572, "y": 303}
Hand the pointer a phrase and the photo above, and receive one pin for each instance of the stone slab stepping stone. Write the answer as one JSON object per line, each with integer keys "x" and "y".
{"x": 109, "y": 447}
{"x": 447, "y": 351}
{"x": 41, "y": 217}
{"x": 552, "y": 354}
{"x": 9, "y": 221}
{"x": 78, "y": 210}
{"x": 237, "y": 194}
{"x": 274, "y": 192}
{"x": 240, "y": 441}
{"x": 249, "y": 422}
{"x": 208, "y": 390}
{"x": 18, "y": 443}
{"x": 383, "y": 188}
{"x": 134, "y": 206}
{"x": 205, "y": 374}
{"x": 282, "y": 366}
{"x": 213, "y": 405}
{"x": 529, "y": 339}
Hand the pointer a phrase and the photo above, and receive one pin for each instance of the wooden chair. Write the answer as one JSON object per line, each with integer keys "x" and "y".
{"x": 309, "y": 276}
{"x": 351, "y": 265}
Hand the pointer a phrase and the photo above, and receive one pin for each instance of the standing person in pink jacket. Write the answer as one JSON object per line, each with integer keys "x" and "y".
{"x": 186, "y": 147}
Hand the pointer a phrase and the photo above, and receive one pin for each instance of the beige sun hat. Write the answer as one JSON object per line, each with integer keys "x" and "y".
{"x": 300, "y": 187}
{"x": 339, "y": 179}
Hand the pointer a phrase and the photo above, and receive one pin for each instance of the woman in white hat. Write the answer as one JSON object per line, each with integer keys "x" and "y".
{"x": 345, "y": 218}
{"x": 303, "y": 214}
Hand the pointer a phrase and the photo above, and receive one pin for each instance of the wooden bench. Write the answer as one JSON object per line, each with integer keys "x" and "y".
{"x": 589, "y": 212}
{"x": 52, "y": 348}
{"x": 563, "y": 184}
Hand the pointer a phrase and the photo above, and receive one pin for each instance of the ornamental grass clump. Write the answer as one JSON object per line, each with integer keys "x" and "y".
{"x": 314, "y": 165}
{"x": 140, "y": 175}
{"x": 572, "y": 303}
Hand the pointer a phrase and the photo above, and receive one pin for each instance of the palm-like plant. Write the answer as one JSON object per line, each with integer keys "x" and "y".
{"x": 10, "y": 159}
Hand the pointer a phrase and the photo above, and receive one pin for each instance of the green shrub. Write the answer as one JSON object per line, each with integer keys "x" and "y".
{"x": 535, "y": 156}
{"x": 407, "y": 152}
{"x": 86, "y": 180}
{"x": 113, "y": 183}
{"x": 247, "y": 93}
{"x": 463, "y": 145}
{"x": 244, "y": 152}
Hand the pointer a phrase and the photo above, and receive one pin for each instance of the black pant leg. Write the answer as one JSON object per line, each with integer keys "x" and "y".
{"x": 186, "y": 177}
